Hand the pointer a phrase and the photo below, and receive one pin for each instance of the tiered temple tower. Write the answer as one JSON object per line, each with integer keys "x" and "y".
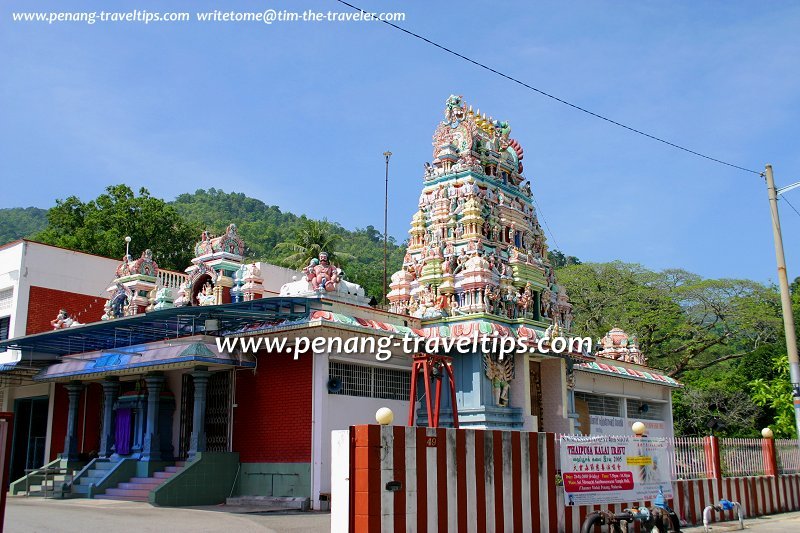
{"x": 476, "y": 246}
{"x": 477, "y": 261}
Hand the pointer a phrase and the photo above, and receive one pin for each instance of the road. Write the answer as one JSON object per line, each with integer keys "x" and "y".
{"x": 780, "y": 523}
{"x": 34, "y": 515}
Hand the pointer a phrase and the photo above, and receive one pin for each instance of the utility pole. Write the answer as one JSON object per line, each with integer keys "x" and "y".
{"x": 786, "y": 298}
{"x": 387, "y": 154}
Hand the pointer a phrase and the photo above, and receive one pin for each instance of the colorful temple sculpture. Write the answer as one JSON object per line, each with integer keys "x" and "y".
{"x": 477, "y": 261}
{"x": 138, "y": 396}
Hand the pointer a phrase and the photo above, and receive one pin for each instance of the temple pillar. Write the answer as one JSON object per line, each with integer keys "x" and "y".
{"x": 110, "y": 394}
{"x": 74, "y": 389}
{"x": 197, "y": 442}
{"x": 152, "y": 440}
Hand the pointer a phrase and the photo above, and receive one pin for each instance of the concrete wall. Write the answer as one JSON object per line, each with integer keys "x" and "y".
{"x": 338, "y": 412}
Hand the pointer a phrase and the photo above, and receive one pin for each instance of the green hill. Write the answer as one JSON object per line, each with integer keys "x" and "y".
{"x": 19, "y": 222}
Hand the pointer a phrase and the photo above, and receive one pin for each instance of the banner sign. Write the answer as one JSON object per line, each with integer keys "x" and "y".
{"x": 615, "y": 469}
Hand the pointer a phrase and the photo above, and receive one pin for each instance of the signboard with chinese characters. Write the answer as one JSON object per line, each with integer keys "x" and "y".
{"x": 612, "y": 425}
{"x": 615, "y": 469}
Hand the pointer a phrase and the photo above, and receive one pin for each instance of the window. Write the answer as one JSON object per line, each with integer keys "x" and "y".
{"x": 600, "y": 405}
{"x": 645, "y": 410}
{"x": 5, "y": 325}
{"x": 371, "y": 382}
{"x": 6, "y": 296}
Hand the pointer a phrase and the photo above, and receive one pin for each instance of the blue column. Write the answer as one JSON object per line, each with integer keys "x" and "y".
{"x": 152, "y": 442}
{"x": 110, "y": 394}
{"x": 74, "y": 389}
{"x": 197, "y": 442}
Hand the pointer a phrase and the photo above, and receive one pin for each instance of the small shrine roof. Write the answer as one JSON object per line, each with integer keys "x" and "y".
{"x": 626, "y": 372}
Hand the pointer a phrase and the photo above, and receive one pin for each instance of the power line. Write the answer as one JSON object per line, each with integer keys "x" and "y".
{"x": 790, "y": 205}
{"x": 553, "y": 97}
{"x": 546, "y": 225}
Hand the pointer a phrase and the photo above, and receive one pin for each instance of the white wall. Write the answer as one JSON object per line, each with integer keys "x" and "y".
{"x": 628, "y": 388}
{"x": 338, "y": 412}
{"x": 275, "y": 276}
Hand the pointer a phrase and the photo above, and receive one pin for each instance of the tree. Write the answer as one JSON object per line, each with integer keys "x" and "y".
{"x": 683, "y": 322}
{"x": 559, "y": 260}
{"x": 312, "y": 238}
{"x": 776, "y": 394}
{"x": 101, "y": 225}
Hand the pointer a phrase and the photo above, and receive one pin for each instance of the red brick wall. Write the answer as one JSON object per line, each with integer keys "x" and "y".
{"x": 89, "y": 411}
{"x": 44, "y": 305}
{"x": 272, "y": 423}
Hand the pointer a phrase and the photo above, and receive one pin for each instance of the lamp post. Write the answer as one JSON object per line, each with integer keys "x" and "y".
{"x": 786, "y": 298}
{"x": 387, "y": 154}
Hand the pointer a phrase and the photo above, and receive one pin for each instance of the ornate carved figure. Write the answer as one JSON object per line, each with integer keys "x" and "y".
{"x": 206, "y": 295}
{"x": 501, "y": 374}
{"x": 119, "y": 301}
{"x": 63, "y": 320}
{"x": 322, "y": 275}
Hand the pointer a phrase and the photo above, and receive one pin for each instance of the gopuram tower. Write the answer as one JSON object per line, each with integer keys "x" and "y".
{"x": 477, "y": 261}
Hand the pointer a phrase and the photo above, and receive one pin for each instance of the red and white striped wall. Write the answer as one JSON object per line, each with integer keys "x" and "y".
{"x": 451, "y": 480}
{"x": 759, "y": 495}
{"x": 465, "y": 480}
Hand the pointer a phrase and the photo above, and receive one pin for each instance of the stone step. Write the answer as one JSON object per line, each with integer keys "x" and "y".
{"x": 272, "y": 502}
{"x": 173, "y": 469}
{"x": 128, "y": 492}
{"x": 140, "y": 485}
{"x": 87, "y": 480}
{"x": 122, "y": 498}
{"x": 163, "y": 475}
{"x": 104, "y": 465}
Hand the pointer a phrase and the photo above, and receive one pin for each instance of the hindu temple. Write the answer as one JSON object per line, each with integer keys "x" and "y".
{"x": 120, "y": 380}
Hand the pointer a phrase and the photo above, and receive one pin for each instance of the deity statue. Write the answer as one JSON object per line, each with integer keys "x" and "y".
{"x": 206, "y": 295}
{"x": 500, "y": 373}
{"x": 63, "y": 320}
{"x": 322, "y": 274}
{"x": 118, "y": 302}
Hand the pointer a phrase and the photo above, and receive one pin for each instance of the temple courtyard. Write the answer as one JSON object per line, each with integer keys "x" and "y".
{"x": 33, "y": 515}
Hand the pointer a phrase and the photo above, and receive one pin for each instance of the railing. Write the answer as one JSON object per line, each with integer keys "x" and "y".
{"x": 690, "y": 458}
{"x": 742, "y": 457}
{"x": 49, "y": 474}
{"x": 788, "y": 456}
{"x": 170, "y": 279}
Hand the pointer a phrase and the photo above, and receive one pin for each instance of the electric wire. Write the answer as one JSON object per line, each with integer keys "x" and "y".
{"x": 790, "y": 204}
{"x": 553, "y": 97}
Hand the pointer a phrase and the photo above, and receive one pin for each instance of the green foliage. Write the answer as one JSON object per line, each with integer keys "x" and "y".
{"x": 776, "y": 393}
{"x": 19, "y": 222}
{"x": 312, "y": 237}
{"x": 101, "y": 225}
{"x": 683, "y": 322}
{"x": 558, "y": 259}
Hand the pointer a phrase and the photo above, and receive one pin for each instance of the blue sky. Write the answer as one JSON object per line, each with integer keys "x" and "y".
{"x": 298, "y": 115}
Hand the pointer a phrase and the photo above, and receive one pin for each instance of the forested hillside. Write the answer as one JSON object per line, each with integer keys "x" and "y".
{"x": 18, "y": 222}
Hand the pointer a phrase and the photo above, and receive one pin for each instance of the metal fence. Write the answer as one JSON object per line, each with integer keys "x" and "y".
{"x": 741, "y": 457}
{"x": 689, "y": 458}
{"x": 788, "y": 455}
{"x": 692, "y": 457}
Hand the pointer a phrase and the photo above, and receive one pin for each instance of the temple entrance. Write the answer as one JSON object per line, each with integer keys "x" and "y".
{"x": 30, "y": 435}
{"x": 219, "y": 401}
{"x": 536, "y": 393}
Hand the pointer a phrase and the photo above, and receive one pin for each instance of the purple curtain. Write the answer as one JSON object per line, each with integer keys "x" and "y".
{"x": 122, "y": 438}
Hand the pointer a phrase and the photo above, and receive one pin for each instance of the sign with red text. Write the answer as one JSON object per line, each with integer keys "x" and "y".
{"x": 615, "y": 469}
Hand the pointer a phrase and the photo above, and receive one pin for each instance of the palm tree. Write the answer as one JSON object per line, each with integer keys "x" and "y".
{"x": 311, "y": 238}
